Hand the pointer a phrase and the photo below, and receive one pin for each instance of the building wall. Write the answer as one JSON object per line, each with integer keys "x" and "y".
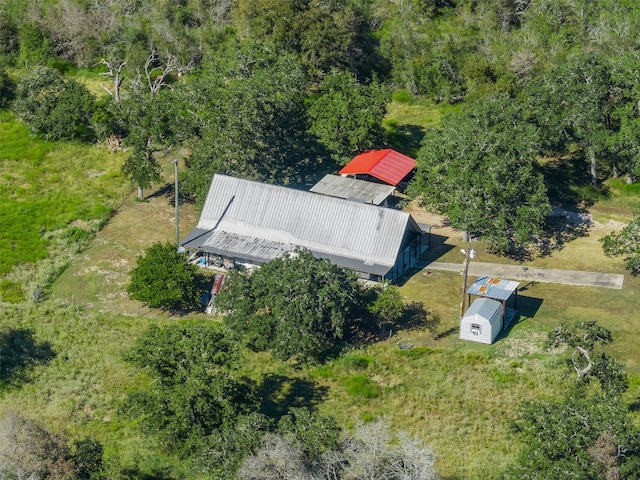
{"x": 477, "y": 328}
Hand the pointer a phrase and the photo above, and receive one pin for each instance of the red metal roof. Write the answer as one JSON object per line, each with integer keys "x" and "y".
{"x": 387, "y": 165}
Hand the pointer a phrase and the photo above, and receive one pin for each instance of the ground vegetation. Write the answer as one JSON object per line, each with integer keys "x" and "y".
{"x": 229, "y": 87}
{"x": 163, "y": 279}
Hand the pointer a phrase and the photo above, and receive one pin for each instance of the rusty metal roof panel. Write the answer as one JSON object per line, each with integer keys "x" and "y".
{"x": 492, "y": 287}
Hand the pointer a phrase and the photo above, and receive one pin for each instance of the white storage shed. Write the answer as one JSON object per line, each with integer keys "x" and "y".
{"x": 482, "y": 322}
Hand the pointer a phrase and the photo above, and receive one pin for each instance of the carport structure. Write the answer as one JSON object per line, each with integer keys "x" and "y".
{"x": 387, "y": 166}
{"x": 495, "y": 289}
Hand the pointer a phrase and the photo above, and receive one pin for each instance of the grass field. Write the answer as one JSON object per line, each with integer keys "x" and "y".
{"x": 456, "y": 396}
{"x": 46, "y": 187}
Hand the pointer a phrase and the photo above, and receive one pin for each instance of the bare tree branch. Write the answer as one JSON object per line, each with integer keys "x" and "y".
{"x": 115, "y": 72}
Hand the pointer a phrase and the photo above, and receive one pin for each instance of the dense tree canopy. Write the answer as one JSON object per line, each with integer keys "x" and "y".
{"x": 478, "y": 169}
{"x": 347, "y": 116}
{"x": 589, "y": 433}
{"x": 193, "y": 393}
{"x": 164, "y": 279}
{"x": 57, "y": 108}
{"x": 322, "y": 35}
{"x": 296, "y": 306}
{"x": 247, "y": 117}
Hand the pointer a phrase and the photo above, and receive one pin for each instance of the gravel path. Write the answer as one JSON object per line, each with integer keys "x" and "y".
{"x": 532, "y": 274}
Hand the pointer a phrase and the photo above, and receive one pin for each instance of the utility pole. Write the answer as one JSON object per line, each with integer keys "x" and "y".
{"x": 177, "y": 203}
{"x": 469, "y": 253}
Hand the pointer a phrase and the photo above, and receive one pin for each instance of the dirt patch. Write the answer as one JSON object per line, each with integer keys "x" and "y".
{"x": 439, "y": 224}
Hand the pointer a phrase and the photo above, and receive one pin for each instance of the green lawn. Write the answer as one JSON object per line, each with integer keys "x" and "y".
{"x": 46, "y": 186}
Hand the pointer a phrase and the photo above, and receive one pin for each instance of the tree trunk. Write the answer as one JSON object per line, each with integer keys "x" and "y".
{"x": 629, "y": 178}
{"x": 616, "y": 172}
{"x": 592, "y": 160}
{"x": 140, "y": 195}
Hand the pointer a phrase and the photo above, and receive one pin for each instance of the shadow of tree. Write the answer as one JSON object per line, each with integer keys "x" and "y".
{"x": 561, "y": 229}
{"x": 18, "y": 352}
{"x": 280, "y": 393}
{"x": 404, "y": 138}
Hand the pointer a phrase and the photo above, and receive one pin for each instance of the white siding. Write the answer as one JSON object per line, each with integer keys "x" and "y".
{"x": 482, "y": 322}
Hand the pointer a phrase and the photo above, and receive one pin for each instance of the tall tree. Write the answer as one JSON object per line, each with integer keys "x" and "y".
{"x": 626, "y": 243}
{"x": 478, "y": 169}
{"x": 589, "y": 433}
{"x": 247, "y": 118}
{"x": 296, "y": 306}
{"x": 322, "y": 35}
{"x": 574, "y": 102}
{"x": 194, "y": 394}
{"x": 346, "y": 116}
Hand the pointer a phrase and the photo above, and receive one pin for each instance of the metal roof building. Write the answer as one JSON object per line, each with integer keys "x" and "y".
{"x": 482, "y": 322}
{"x": 386, "y": 165}
{"x": 352, "y": 189}
{"x": 253, "y": 223}
{"x": 495, "y": 288}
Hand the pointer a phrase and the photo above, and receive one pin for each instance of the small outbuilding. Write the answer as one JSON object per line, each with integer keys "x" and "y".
{"x": 482, "y": 322}
{"x": 355, "y": 190}
{"x": 386, "y": 166}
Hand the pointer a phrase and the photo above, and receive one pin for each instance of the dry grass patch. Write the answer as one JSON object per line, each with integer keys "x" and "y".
{"x": 99, "y": 277}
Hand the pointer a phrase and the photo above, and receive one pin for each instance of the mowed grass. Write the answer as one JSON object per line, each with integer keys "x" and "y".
{"x": 98, "y": 278}
{"x": 45, "y": 186}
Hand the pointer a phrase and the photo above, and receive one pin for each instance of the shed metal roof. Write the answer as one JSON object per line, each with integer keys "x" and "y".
{"x": 491, "y": 287}
{"x": 387, "y": 165}
{"x": 486, "y": 308}
{"x": 352, "y": 189}
{"x": 259, "y": 222}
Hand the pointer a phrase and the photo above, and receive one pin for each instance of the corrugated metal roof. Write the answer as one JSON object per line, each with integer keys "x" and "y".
{"x": 387, "y": 165}
{"x": 485, "y": 308}
{"x": 352, "y": 189}
{"x": 491, "y": 287}
{"x": 257, "y": 221}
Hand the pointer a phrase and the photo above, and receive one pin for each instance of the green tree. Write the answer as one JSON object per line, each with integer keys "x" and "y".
{"x": 142, "y": 168}
{"x": 574, "y": 102}
{"x": 389, "y": 305}
{"x": 590, "y": 438}
{"x": 626, "y": 243}
{"x": 247, "y": 118}
{"x": 55, "y": 107}
{"x": 7, "y": 88}
{"x": 478, "y": 169}
{"x": 346, "y": 116}
{"x": 195, "y": 401}
{"x": 322, "y": 35}
{"x": 589, "y": 433}
{"x": 163, "y": 279}
{"x": 587, "y": 359}
{"x": 148, "y": 126}
{"x": 296, "y": 305}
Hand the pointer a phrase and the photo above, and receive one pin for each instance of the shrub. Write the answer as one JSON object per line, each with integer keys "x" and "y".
{"x": 11, "y": 292}
{"x": 361, "y": 386}
{"x": 163, "y": 279}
